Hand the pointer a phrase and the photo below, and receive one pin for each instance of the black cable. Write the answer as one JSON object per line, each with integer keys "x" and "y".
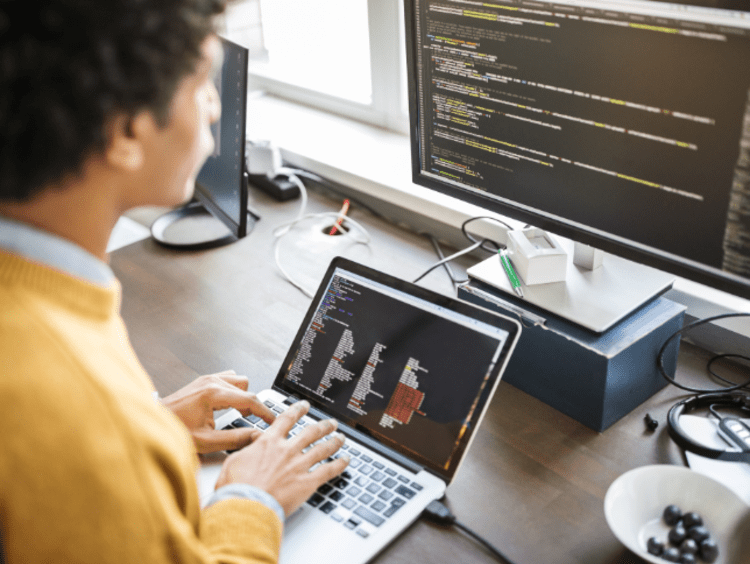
{"x": 437, "y": 512}
{"x": 660, "y": 357}
{"x": 715, "y": 413}
{"x": 495, "y": 245}
{"x": 719, "y": 357}
{"x": 446, "y": 265}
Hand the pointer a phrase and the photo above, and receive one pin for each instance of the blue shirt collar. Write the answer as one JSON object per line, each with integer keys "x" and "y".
{"x": 50, "y": 250}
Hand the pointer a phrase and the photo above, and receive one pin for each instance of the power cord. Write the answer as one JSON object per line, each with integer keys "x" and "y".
{"x": 438, "y": 513}
{"x": 286, "y": 227}
{"x": 688, "y": 327}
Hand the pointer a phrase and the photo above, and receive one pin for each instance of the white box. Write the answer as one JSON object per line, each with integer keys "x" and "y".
{"x": 537, "y": 257}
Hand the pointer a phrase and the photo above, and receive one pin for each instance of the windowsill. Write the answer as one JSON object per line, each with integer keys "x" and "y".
{"x": 375, "y": 164}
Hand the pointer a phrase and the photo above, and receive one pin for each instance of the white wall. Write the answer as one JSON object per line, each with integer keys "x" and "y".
{"x": 242, "y": 24}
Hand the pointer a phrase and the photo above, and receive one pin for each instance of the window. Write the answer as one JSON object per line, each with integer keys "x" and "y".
{"x": 344, "y": 56}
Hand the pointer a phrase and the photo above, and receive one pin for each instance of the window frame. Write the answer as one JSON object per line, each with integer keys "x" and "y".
{"x": 387, "y": 62}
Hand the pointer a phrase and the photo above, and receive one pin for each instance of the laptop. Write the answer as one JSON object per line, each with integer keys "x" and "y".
{"x": 408, "y": 373}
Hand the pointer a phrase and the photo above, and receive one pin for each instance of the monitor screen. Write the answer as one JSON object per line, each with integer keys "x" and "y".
{"x": 623, "y": 125}
{"x": 221, "y": 185}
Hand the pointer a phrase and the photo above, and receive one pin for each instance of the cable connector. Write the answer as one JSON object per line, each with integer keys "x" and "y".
{"x": 437, "y": 512}
{"x": 262, "y": 158}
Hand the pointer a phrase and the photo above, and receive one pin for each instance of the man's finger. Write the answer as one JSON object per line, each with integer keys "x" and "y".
{"x": 256, "y": 407}
{"x": 312, "y": 433}
{"x": 330, "y": 470}
{"x": 325, "y": 448}
{"x": 286, "y": 420}
{"x": 229, "y": 439}
{"x": 244, "y": 402}
{"x": 233, "y": 378}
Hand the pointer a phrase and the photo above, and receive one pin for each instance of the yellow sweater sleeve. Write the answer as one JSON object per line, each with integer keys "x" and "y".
{"x": 91, "y": 468}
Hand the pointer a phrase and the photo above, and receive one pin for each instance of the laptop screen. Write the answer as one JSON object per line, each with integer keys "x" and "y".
{"x": 408, "y": 367}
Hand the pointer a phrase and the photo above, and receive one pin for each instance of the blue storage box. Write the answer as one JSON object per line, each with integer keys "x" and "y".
{"x": 595, "y": 378}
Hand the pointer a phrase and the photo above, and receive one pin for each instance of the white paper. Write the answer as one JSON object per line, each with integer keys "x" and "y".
{"x": 734, "y": 475}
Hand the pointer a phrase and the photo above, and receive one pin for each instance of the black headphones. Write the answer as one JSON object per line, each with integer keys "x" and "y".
{"x": 737, "y": 400}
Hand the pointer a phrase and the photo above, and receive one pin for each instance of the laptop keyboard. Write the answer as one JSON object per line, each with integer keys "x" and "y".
{"x": 366, "y": 494}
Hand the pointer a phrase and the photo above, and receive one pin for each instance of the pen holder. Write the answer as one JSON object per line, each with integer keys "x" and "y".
{"x": 537, "y": 256}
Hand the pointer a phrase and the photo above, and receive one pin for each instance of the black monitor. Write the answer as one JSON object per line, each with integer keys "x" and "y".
{"x": 221, "y": 189}
{"x": 624, "y": 125}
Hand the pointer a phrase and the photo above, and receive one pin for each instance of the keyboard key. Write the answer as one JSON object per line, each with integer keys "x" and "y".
{"x": 385, "y": 495}
{"x": 354, "y": 452}
{"x": 253, "y": 418}
{"x": 373, "y": 488}
{"x": 327, "y": 507}
{"x": 262, "y": 425}
{"x": 377, "y": 506}
{"x": 403, "y": 479}
{"x": 416, "y": 486}
{"x": 406, "y": 492}
{"x": 336, "y": 517}
{"x": 377, "y": 476}
{"x": 389, "y": 483}
{"x": 391, "y": 510}
{"x": 348, "y": 503}
{"x": 369, "y": 516}
{"x": 354, "y": 462}
{"x": 347, "y": 475}
{"x": 362, "y": 481}
{"x": 362, "y": 533}
{"x": 390, "y": 471}
{"x": 354, "y": 491}
{"x": 351, "y": 524}
{"x": 366, "y": 469}
{"x": 366, "y": 498}
{"x": 269, "y": 403}
{"x": 366, "y": 458}
{"x": 315, "y": 499}
{"x": 378, "y": 465}
{"x": 340, "y": 483}
{"x": 241, "y": 423}
{"x": 325, "y": 488}
{"x": 336, "y": 495}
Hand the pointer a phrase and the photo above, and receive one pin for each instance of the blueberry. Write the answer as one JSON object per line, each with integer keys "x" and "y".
{"x": 677, "y": 534}
{"x": 687, "y": 559}
{"x": 672, "y": 515}
{"x": 689, "y": 546}
{"x": 709, "y": 551}
{"x": 671, "y": 555}
{"x": 698, "y": 534}
{"x": 691, "y": 520}
{"x": 655, "y": 546}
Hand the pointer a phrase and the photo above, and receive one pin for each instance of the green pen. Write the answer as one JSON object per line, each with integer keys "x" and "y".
{"x": 512, "y": 276}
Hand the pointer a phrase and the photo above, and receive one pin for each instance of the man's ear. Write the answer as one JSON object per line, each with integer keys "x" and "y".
{"x": 125, "y": 141}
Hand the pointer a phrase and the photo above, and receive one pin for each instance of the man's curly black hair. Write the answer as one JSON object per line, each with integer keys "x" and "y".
{"x": 68, "y": 66}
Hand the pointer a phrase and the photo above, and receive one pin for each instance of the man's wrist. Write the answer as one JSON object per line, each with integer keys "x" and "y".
{"x": 246, "y": 491}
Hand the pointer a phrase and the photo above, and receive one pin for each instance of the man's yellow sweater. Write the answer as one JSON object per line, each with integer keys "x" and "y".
{"x": 92, "y": 469}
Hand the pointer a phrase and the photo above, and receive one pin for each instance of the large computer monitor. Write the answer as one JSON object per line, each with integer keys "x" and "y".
{"x": 624, "y": 125}
{"x": 221, "y": 188}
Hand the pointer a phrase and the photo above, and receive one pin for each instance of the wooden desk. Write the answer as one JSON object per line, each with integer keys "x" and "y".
{"x": 534, "y": 481}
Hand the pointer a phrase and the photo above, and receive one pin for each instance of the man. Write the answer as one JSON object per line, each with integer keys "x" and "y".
{"x": 106, "y": 105}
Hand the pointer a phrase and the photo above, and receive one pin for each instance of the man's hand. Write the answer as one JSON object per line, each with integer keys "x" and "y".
{"x": 278, "y": 466}
{"x": 195, "y": 404}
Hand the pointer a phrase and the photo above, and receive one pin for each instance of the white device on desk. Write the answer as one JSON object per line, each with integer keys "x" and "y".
{"x": 594, "y": 299}
{"x": 408, "y": 373}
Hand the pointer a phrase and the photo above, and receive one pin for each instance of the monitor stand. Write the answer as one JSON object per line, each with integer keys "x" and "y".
{"x": 594, "y": 299}
{"x": 193, "y": 227}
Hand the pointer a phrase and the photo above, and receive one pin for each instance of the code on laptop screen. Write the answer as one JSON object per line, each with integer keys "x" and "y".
{"x": 408, "y": 371}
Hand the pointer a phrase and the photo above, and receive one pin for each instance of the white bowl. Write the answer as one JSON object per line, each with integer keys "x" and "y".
{"x": 636, "y": 500}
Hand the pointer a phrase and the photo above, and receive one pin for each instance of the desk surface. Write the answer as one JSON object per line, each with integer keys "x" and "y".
{"x": 534, "y": 480}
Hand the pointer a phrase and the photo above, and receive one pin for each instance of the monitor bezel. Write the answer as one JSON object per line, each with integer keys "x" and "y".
{"x": 608, "y": 242}
{"x": 202, "y": 194}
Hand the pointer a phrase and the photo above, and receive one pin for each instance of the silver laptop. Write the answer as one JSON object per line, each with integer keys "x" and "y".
{"x": 408, "y": 373}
